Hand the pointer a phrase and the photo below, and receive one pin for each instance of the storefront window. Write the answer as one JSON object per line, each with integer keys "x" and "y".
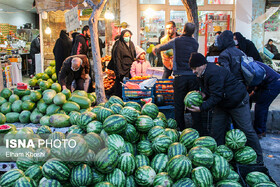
{"x": 220, "y": 1}
{"x": 152, "y": 2}
{"x": 180, "y": 18}
{"x": 179, "y": 2}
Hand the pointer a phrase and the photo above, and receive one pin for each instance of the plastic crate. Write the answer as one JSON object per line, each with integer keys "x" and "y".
{"x": 165, "y": 88}
{"x": 168, "y": 111}
{"x": 7, "y": 166}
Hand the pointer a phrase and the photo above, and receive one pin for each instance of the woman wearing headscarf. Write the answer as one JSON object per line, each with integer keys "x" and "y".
{"x": 273, "y": 49}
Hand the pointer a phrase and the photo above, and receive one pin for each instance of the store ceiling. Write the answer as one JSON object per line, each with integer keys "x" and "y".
{"x": 17, "y": 6}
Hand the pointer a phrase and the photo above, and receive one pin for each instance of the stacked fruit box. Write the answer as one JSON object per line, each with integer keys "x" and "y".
{"x": 164, "y": 87}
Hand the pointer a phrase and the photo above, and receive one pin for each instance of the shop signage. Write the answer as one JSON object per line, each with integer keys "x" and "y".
{"x": 72, "y": 19}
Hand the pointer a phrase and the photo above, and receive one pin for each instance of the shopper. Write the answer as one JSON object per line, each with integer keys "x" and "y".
{"x": 273, "y": 49}
{"x": 167, "y": 56}
{"x": 246, "y": 46}
{"x": 61, "y": 50}
{"x": 229, "y": 99}
{"x": 34, "y": 49}
{"x": 74, "y": 71}
{"x": 124, "y": 55}
{"x": 185, "y": 80}
{"x": 74, "y": 34}
{"x": 263, "y": 96}
{"x": 101, "y": 46}
{"x": 140, "y": 66}
{"x": 213, "y": 49}
{"x": 81, "y": 45}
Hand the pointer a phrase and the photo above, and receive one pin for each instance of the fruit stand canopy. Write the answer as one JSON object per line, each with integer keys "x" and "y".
{"x": 54, "y": 5}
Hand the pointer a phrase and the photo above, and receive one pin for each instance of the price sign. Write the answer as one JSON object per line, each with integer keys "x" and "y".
{"x": 72, "y": 19}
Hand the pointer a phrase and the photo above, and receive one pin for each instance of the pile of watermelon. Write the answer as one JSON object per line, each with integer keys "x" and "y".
{"x": 123, "y": 144}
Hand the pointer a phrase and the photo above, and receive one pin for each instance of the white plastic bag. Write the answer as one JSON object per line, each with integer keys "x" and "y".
{"x": 149, "y": 83}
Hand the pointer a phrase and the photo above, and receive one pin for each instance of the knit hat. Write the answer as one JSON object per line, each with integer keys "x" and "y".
{"x": 196, "y": 60}
{"x": 139, "y": 51}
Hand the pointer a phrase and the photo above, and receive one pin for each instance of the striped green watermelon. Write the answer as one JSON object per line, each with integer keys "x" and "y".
{"x": 73, "y": 117}
{"x": 107, "y": 105}
{"x": 96, "y": 109}
{"x": 228, "y": 183}
{"x": 162, "y": 116}
{"x": 233, "y": 176}
{"x": 25, "y": 182}
{"x": 46, "y": 154}
{"x": 103, "y": 114}
{"x": 184, "y": 182}
{"x": 126, "y": 163}
{"x": 245, "y": 155}
{"x": 202, "y": 177}
{"x": 130, "y": 114}
{"x": 85, "y": 118}
{"x": 116, "y": 108}
{"x": 206, "y": 141}
{"x": 55, "y": 169}
{"x": 144, "y": 123}
{"x": 81, "y": 175}
{"x": 235, "y": 139}
{"x": 130, "y": 181}
{"x": 176, "y": 149}
{"x": 172, "y": 134}
{"x": 159, "y": 163}
{"x": 76, "y": 131}
{"x": 116, "y": 142}
{"x": 106, "y": 160}
{"x": 94, "y": 126}
{"x": 256, "y": 177}
{"x": 161, "y": 143}
{"x": 115, "y": 124}
{"x": 10, "y": 177}
{"x": 134, "y": 105}
{"x": 44, "y": 182}
{"x": 220, "y": 169}
{"x": 97, "y": 176}
{"x": 104, "y": 184}
{"x": 104, "y": 135}
{"x": 94, "y": 141}
{"x": 162, "y": 179}
{"x": 144, "y": 137}
{"x": 144, "y": 147}
{"x": 154, "y": 132}
{"x": 172, "y": 123}
{"x": 116, "y": 177}
{"x": 115, "y": 99}
{"x": 34, "y": 172}
{"x": 188, "y": 136}
{"x": 44, "y": 131}
{"x": 145, "y": 175}
{"x": 265, "y": 184}
{"x": 130, "y": 134}
{"x": 193, "y": 98}
{"x": 23, "y": 163}
{"x": 160, "y": 122}
{"x": 150, "y": 109}
{"x": 225, "y": 152}
{"x": 201, "y": 156}
{"x": 90, "y": 157}
{"x": 130, "y": 148}
{"x": 142, "y": 160}
{"x": 179, "y": 167}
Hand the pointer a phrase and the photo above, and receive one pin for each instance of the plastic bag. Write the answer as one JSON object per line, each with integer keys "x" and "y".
{"x": 149, "y": 83}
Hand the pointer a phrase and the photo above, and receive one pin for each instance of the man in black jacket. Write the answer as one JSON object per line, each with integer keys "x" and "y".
{"x": 229, "y": 99}
{"x": 81, "y": 45}
{"x": 34, "y": 49}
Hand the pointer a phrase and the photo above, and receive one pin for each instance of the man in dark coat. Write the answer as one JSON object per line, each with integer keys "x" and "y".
{"x": 273, "y": 49}
{"x": 246, "y": 46}
{"x": 34, "y": 49}
{"x": 61, "y": 50}
{"x": 74, "y": 68}
{"x": 229, "y": 99}
{"x": 124, "y": 55}
{"x": 81, "y": 45}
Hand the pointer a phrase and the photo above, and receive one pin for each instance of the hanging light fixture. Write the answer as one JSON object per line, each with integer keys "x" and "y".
{"x": 44, "y": 15}
{"x": 109, "y": 15}
{"x": 48, "y": 30}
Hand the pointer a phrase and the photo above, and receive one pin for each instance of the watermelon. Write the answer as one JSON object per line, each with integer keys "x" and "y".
{"x": 144, "y": 123}
{"x": 220, "y": 168}
{"x": 116, "y": 142}
{"x": 160, "y": 122}
{"x": 97, "y": 176}
{"x": 96, "y": 109}
{"x": 126, "y": 163}
{"x": 116, "y": 108}
{"x": 235, "y": 139}
{"x": 145, "y": 175}
{"x": 201, "y": 156}
{"x": 74, "y": 117}
{"x": 265, "y": 184}
{"x": 44, "y": 182}
{"x": 245, "y": 155}
{"x": 106, "y": 160}
{"x": 228, "y": 183}
{"x": 206, "y": 141}
{"x": 201, "y": 176}
{"x": 45, "y": 121}
{"x": 130, "y": 181}
{"x": 25, "y": 182}
{"x": 130, "y": 148}
{"x": 159, "y": 163}
{"x": 171, "y": 123}
{"x": 172, "y": 134}
{"x": 256, "y": 177}
{"x": 130, "y": 114}
{"x": 162, "y": 179}
{"x": 6, "y": 108}
{"x": 133, "y": 104}
{"x": 70, "y": 106}
{"x": 34, "y": 172}
{"x": 16, "y": 106}
{"x": 130, "y": 134}
{"x": 114, "y": 124}
{"x": 176, "y": 149}
{"x": 154, "y": 132}
{"x": 56, "y": 87}
{"x": 104, "y": 184}
{"x": 103, "y": 114}
{"x": 67, "y": 93}
{"x": 94, "y": 126}
{"x": 184, "y": 182}
{"x": 6, "y": 93}
{"x": 44, "y": 131}
{"x": 81, "y": 175}
{"x": 188, "y": 136}
{"x": 90, "y": 157}
{"x": 150, "y": 109}
{"x": 13, "y": 98}
{"x": 142, "y": 160}
{"x": 2, "y": 118}
{"x": 193, "y": 98}
{"x": 23, "y": 163}
{"x": 144, "y": 147}
{"x": 179, "y": 167}
{"x": 233, "y": 176}
{"x": 116, "y": 177}
{"x": 84, "y": 119}
{"x": 161, "y": 143}
{"x": 115, "y": 99}
{"x": 84, "y": 102}
{"x": 10, "y": 177}
{"x": 225, "y": 152}
{"x": 55, "y": 169}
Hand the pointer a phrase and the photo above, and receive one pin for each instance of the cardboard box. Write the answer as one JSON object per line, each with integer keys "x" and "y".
{"x": 155, "y": 72}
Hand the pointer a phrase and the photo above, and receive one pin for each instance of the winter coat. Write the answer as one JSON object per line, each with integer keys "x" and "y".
{"x": 247, "y": 47}
{"x": 270, "y": 77}
{"x": 182, "y": 47}
{"x": 67, "y": 75}
{"x": 272, "y": 48}
{"x": 230, "y": 56}
{"x": 139, "y": 68}
{"x": 80, "y": 46}
{"x": 61, "y": 50}
{"x": 221, "y": 88}
{"x": 35, "y": 47}
{"x": 213, "y": 51}
{"x": 101, "y": 46}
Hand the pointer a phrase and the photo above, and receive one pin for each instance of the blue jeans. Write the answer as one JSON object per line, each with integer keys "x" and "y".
{"x": 264, "y": 97}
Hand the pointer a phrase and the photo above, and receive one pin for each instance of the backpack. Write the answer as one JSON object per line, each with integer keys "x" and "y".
{"x": 252, "y": 72}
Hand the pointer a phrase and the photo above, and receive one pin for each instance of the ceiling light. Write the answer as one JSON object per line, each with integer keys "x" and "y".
{"x": 48, "y": 30}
